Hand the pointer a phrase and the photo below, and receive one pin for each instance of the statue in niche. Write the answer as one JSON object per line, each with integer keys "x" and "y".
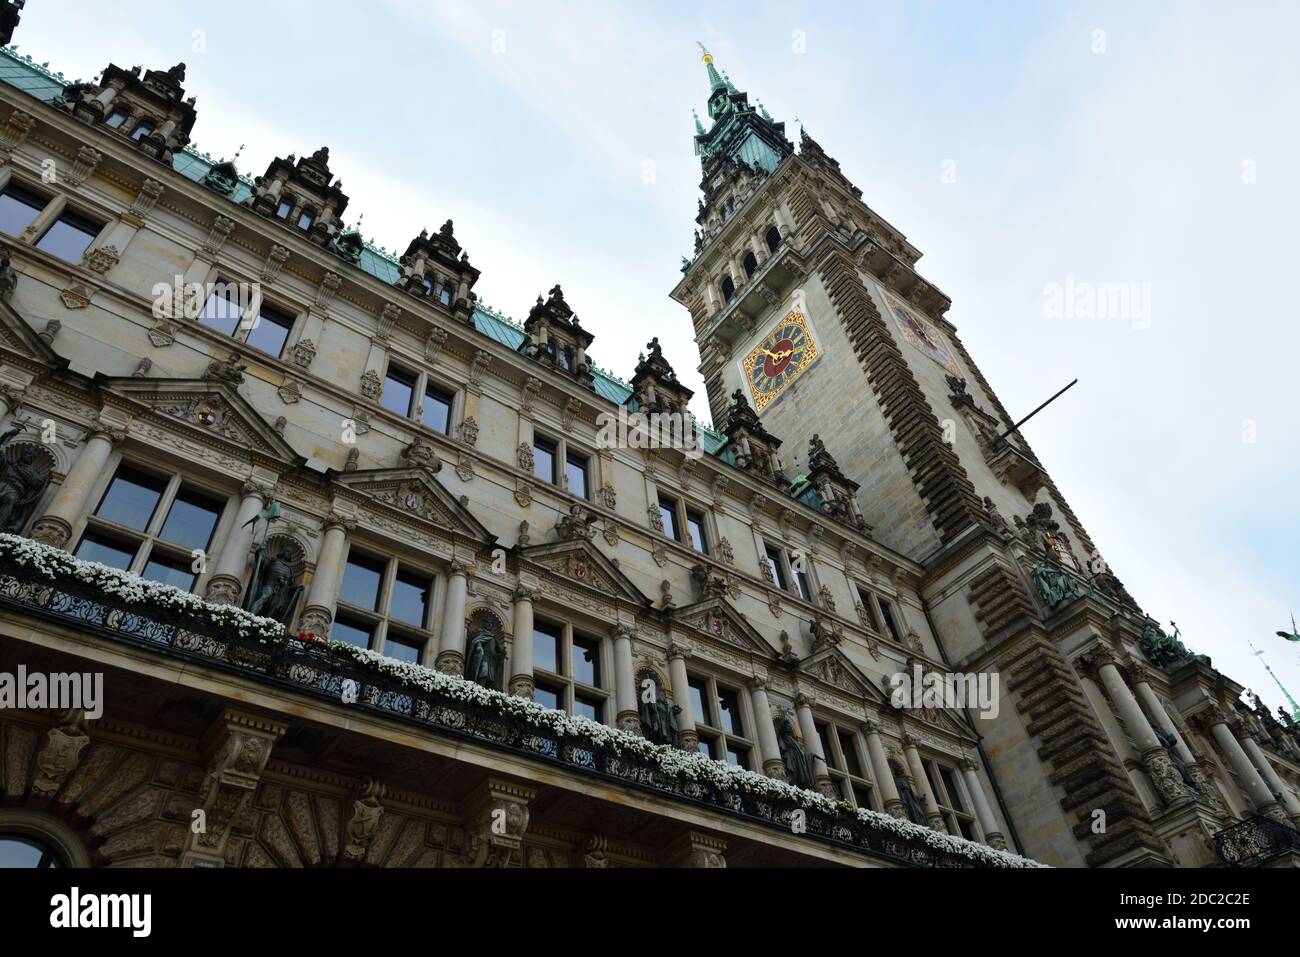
{"x": 911, "y": 803}
{"x": 23, "y": 479}
{"x": 484, "y": 657}
{"x": 274, "y": 592}
{"x": 798, "y": 762}
{"x": 658, "y": 717}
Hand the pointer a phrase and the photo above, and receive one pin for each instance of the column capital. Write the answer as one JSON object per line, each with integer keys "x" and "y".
{"x": 804, "y": 698}
{"x": 523, "y": 593}
{"x": 967, "y": 763}
{"x": 114, "y": 432}
{"x": 457, "y": 569}
{"x": 259, "y": 490}
{"x": 679, "y": 648}
{"x": 757, "y": 681}
{"x": 339, "y": 520}
{"x": 1096, "y": 658}
{"x": 871, "y": 726}
{"x": 620, "y": 631}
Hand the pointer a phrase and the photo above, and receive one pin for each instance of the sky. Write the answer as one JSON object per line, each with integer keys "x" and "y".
{"x": 1028, "y": 149}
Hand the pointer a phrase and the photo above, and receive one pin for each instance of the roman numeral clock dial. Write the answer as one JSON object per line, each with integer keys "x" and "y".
{"x": 780, "y": 358}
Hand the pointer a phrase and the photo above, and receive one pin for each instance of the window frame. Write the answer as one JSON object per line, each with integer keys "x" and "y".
{"x": 68, "y": 216}
{"x": 147, "y": 542}
{"x": 714, "y": 740}
{"x": 380, "y": 620}
{"x": 852, "y": 787}
{"x": 564, "y": 684}
{"x": 800, "y": 584}
{"x": 562, "y": 451}
{"x": 681, "y": 511}
{"x": 954, "y": 812}
{"x": 21, "y": 186}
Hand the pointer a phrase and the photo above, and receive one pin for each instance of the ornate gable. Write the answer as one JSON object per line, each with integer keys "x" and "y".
{"x": 717, "y": 618}
{"x": 581, "y": 562}
{"x": 414, "y": 493}
{"x": 830, "y": 665}
{"x": 209, "y": 408}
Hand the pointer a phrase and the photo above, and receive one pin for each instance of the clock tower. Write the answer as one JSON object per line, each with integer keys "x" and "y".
{"x": 824, "y": 347}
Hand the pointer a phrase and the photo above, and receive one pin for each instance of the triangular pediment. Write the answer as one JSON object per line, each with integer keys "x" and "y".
{"x": 918, "y": 707}
{"x": 20, "y": 339}
{"x": 718, "y": 619}
{"x": 415, "y": 493}
{"x": 207, "y": 408}
{"x": 835, "y": 668}
{"x": 583, "y": 563}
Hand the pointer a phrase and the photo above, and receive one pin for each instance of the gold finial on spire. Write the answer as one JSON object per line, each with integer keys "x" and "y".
{"x": 708, "y": 57}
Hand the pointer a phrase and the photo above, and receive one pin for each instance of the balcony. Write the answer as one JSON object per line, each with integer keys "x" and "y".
{"x": 1258, "y": 842}
{"x": 48, "y": 585}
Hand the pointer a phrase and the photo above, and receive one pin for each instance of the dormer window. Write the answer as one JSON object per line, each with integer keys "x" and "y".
{"x": 773, "y": 238}
{"x": 142, "y": 129}
{"x": 750, "y": 262}
{"x": 117, "y": 117}
{"x": 305, "y": 220}
{"x": 284, "y": 209}
{"x": 728, "y": 289}
{"x": 445, "y": 296}
{"x": 427, "y": 282}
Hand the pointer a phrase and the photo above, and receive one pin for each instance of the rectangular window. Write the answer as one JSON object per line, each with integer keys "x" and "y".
{"x": 586, "y": 661}
{"x": 805, "y": 586}
{"x": 848, "y": 748}
{"x": 695, "y": 527}
{"x": 97, "y": 547}
{"x": 70, "y": 236}
{"x": 362, "y": 577}
{"x": 776, "y": 567}
{"x": 305, "y": 219}
{"x": 402, "y": 650}
{"x": 270, "y": 330}
{"x": 284, "y": 209}
{"x": 437, "y": 409}
{"x": 887, "y": 612}
{"x": 546, "y": 646}
{"x": 191, "y": 520}
{"x": 170, "y": 571}
{"x": 18, "y": 207}
{"x": 699, "y": 699}
{"x": 869, "y": 607}
{"x": 412, "y": 595}
{"x": 548, "y": 697}
{"x": 116, "y": 118}
{"x": 575, "y": 470}
{"x": 131, "y": 498}
{"x": 729, "y": 710}
{"x": 589, "y": 708}
{"x": 668, "y": 512}
{"x": 142, "y": 129}
{"x": 399, "y": 390}
{"x": 222, "y": 310}
{"x": 353, "y": 630}
{"x": 544, "y": 459}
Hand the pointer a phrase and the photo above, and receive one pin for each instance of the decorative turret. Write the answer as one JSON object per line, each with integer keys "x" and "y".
{"x": 838, "y": 493}
{"x": 750, "y": 446}
{"x": 10, "y": 10}
{"x": 151, "y": 110}
{"x": 303, "y": 195}
{"x": 555, "y": 338}
{"x": 654, "y": 384}
{"x": 436, "y": 269}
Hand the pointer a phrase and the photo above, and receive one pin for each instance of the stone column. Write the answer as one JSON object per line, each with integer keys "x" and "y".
{"x": 1275, "y": 783}
{"x": 318, "y": 613}
{"x": 521, "y": 649}
{"x": 1156, "y": 760}
{"x": 1251, "y": 780}
{"x": 55, "y": 526}
{"x": 227, "y": 581}
{"x": 688, "y": 739}
{"x": 880, "y": 769}
{"x": 765, "y": 732}
{"x": 988, "y": 823}
{"x": 451, "y": 640}
{"x": 629, "y": 717}
{"x": 803, "y": 702}
{"x": 921, "y": 782}
{"x": 1196, "y": 768}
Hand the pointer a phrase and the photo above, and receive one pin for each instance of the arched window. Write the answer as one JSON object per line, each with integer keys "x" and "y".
{"x": 19, "y": 851}
{"x": 750, "y": 262}
{"x": 445, "y": 295}
{"x": 284, "y": 209}
{"x": 427, "y": 282}
{"x": 305, "y": 219}
{"x": 142, "y": 129}
{"x": 728, "y": 289}
{"x": 773, "y": 238}
{"x": 117, "y": 117}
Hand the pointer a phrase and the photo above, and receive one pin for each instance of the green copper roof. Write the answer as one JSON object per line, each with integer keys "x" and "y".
{"x": 29, "y": 76}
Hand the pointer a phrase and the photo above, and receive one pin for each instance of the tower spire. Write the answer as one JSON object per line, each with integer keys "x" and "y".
{"x": 715, "y": 80}
{"x": 1295, "y": 708}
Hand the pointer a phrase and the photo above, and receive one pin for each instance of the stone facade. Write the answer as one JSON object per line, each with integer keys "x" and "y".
{"x": 384, "y": 461}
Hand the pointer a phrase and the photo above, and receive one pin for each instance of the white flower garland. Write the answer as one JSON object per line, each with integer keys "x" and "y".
{"x": 681, "y": 765}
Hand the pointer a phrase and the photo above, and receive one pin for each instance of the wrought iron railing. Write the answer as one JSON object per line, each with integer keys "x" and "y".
{"x": 309, "y": 667}
{"x": 1255, "y": 841}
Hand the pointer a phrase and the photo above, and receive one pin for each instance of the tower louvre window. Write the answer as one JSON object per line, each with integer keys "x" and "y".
{"x": 142, "y": 129}
{"x": 117, "y": 118}
{"x": 728, "y": 289}
{"x": 773, "y": 238}
{"x": 750, "y": 262}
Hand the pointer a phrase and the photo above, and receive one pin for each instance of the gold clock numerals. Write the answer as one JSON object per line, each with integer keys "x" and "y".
{"x": 779, "y": 359}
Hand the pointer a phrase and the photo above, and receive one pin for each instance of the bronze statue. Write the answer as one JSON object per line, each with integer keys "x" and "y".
{"x": 22, "y": 481}
{"x": 798, "y": 762}
{"x": 276, "y": 593}
{"x": 911, "y": 803}
{"x": 483, "y": 659}
{"x": 659, "y": 720}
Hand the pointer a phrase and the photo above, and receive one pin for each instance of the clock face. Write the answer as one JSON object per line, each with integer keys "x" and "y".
{"x": 779, "y": 359}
